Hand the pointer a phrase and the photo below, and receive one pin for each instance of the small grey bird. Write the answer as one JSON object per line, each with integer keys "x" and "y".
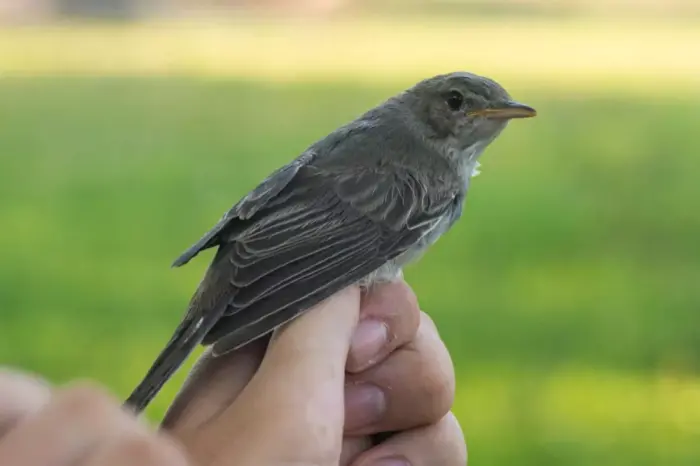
{"x": 354, "y": 208}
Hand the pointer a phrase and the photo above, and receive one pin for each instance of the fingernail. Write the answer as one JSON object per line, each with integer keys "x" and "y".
{"x": 368, "y": 340}
{"x": 365, "y": 404}
{"x": 391, "y": 462}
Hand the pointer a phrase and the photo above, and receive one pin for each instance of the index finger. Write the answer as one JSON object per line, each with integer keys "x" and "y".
{"x": 293, "y": 408}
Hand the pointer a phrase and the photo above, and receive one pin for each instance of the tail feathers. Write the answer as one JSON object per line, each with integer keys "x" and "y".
{"x": 185, "y": 339}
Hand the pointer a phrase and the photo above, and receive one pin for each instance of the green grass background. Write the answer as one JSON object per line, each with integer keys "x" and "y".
{"x": 569, "y": 293}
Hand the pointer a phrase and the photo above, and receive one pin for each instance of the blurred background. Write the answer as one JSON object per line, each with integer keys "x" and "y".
{"x": 569, "y": 294}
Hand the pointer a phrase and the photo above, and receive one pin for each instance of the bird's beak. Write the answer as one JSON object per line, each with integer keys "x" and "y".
{"x": 506, "y": 111}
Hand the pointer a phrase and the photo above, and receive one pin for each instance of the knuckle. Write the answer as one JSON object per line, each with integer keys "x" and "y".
{"x": 438, "y": 384}
{"x": 403, "y": 312}
{"x": 439, "y": 390}
{"x": 408, "y": 298}
{"x": 21, "y": 392}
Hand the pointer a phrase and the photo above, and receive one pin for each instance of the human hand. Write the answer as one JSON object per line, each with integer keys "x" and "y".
{"x": 76, "y": 426}
{"x": 226, "y": 415}
{"x": 319, "y": 391}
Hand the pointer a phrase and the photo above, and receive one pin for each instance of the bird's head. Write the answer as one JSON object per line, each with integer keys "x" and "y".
{"x": 462, "y": 112}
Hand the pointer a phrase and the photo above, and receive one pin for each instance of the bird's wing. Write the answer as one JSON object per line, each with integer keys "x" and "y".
{"x": 247, "y": 207}
{"x": 320, "y": 233}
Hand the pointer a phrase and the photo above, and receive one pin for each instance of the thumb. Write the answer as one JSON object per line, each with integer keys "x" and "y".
{"x": 311, "y": 352}
{"x": 292, "y": 411}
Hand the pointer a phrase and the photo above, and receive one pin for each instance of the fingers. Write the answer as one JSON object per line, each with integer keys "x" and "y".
{"x": 138, "y": 448}
{"x": 20, "y": 396}
{"x": 401, "y": 377}
{"x": 212, "y": 386}
{"x": 439, "y": 444}
{"x": 292, "y": 409}
{"x": 79, "y": 425}
{"x": 69, "y": 426}
{"x": 309, "y": 356}
{"x": 389, "y": 318}
{"x": 414, "y": 386}
{"x": 316, "y": 344}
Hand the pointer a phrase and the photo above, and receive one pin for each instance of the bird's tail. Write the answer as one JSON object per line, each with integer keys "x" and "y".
{"x": 185, "y": 339}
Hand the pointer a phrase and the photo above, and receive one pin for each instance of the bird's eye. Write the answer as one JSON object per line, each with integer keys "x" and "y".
{"x": 454, "y": 100}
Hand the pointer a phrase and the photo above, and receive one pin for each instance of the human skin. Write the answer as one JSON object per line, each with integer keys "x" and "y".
{"x": 313, "y": 394}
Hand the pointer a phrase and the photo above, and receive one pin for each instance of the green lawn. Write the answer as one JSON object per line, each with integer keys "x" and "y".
{"x": 568, "y": 294}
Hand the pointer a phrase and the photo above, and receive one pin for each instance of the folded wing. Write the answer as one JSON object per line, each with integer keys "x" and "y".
{"x": 319, "y": 234}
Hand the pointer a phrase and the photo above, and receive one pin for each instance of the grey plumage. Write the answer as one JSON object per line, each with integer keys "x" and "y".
{"x": 354, "y": 208}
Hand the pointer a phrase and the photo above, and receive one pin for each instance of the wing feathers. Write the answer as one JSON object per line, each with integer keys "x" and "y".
{"x": 318, "y": 234}
{"x": 310, "y": 251}
{"x": 231, "y": 332}
{"x": 247, "y": 207}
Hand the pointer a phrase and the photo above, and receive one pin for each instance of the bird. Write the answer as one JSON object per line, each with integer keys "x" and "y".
{"x": 354, "y": 208}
